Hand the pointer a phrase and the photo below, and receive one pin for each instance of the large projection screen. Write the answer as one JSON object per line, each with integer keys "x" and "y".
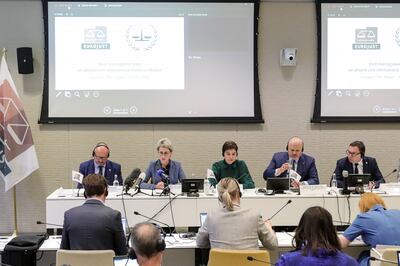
{"x": 359, "y": 62}
{"x": 150, "y": 62}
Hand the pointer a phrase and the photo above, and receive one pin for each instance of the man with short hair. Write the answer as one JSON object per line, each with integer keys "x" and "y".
{"x": 94, "y": 226}
{"x": 301, "y": 166}
{"x": 357, "y": 163}
{"x": 148, "y": 244}
{"x": 100, "y": 164}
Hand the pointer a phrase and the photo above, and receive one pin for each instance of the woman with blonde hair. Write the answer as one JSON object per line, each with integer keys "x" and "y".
{"x": 375, "y": 224}
{"x": 234, "y": 227}
{"x": 164, "y": 167}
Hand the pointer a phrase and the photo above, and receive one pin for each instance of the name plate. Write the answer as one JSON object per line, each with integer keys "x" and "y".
{"x": 390, "y": 188}
{"x": 313, "y": 189}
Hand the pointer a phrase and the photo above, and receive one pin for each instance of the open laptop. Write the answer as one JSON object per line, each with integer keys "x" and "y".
{"x": 125, "y": 227}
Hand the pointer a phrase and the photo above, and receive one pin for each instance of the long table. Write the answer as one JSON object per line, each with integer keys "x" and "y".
{"x": 183, "y": 211}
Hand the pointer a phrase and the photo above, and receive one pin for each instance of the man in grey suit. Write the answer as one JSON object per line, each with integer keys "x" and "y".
{"x": 94, "y": 226}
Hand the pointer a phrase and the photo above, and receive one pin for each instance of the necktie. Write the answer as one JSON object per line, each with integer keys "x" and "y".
{"x": 101, "y": 170}
{"x": 293, "y": 165}
{"x": 356, "y": 168}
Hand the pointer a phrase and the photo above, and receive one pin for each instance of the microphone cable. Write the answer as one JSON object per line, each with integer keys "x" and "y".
{"x": 166, "y": 205}
{"x": 172, "y": 213}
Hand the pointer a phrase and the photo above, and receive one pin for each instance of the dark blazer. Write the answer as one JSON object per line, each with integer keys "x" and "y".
{"x": 112, "y": 169}
{"x": 305, "y": 167}
{"x": 370, "y": 166}
{"x": 93, "y": 226}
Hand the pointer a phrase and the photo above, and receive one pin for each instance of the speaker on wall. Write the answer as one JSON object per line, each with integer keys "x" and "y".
{"x": 25, "y": 60}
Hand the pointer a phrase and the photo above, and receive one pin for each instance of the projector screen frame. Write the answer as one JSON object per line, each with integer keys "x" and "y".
{"x": 317, "y": 117}
{"x": 257, "y": 118}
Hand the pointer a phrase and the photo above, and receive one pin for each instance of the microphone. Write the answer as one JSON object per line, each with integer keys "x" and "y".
{"x": 131, "y": 178}
{"x": 162, "y": 175}
{"x": 139, "y": 180}
{"x": 40, "y": 222}
{"x": 251, "y": 258}
{"x": 152, "y": 219}
{"x": 391, "y": 173}
{"x": 287, "y": 203}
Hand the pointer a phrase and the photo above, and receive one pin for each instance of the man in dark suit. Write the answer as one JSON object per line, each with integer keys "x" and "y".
{"x": 94, "y": 226}
{"x": 101, "y": 165}
{"x": 301, "y": 166}
{"x": 357, "y": 163}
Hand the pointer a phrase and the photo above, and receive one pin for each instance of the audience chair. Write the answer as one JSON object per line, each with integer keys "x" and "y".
{"x": 234, "y": 257}
{"x": 388, "y": 253}
{"x": 85, "y": 257}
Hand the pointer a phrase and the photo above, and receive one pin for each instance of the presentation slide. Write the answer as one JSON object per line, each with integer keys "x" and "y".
{"x": 150, "y": 60}
{"x": 360, "y": 60}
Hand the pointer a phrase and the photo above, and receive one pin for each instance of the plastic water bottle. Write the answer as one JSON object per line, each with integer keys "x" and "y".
{"x": 334, "y": 181}
{"x": 206, "y": 186}
{"x": 398, "y": 173}
{"x": 115, "y": 182}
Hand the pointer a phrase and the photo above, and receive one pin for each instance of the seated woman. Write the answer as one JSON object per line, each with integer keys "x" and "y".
{"x": 230, "y": 166}
{"x": 172, "y": 170}
{"x": 375, "y": 224}
{"x": 316, "y": 242}
{"x": 234, "y": 227}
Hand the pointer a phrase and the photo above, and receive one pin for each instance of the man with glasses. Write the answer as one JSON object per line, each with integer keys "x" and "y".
{"x": 164, "y": 170}
{"x": 357, "y": 163}
{"x": 100, "y": 164}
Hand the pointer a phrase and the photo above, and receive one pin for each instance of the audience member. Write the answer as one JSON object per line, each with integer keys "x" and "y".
{"x": 94, "y": 226}
{"x": 375, "y": 224}
{"x": 172, "y": 170}
{"x": 234, "y": 227}
{"x": 301, "y": 166}
{"x": 316, "y": 242}
{"x": 148, "y": 244}
{"x": 100, "y": 164}
{"x": 230, "y": 166}
{"x": 357, "y": 163}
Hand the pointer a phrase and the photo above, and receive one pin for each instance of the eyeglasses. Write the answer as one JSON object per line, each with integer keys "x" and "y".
{"x": 164, "y": 153}
{"x": 352, "y": 154}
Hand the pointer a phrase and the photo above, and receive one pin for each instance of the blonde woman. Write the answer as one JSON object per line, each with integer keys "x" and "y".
{"x": 375, "y": 224}
{"x": 170, "y": 168}
{"x": 234, "y": 227}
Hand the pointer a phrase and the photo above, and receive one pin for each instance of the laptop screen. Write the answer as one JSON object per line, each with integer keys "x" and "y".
{"x": 122, "y": 261}
{"x": 398, "y": 258}
{"x": 203, "y": 217}
{"x": 125, "y": 226}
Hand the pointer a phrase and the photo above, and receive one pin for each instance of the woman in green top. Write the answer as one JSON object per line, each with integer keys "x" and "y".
{"x": 230, "y": 166}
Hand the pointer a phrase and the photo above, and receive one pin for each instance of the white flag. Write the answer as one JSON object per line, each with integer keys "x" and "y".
{"x": 17, "y": 153}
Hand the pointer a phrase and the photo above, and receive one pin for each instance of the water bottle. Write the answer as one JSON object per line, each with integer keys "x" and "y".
{"x": 115, "y": 182}
{"x": 398, "y": 173}
{"x": 206, "y": 186}
{"x": 334, "y": 181}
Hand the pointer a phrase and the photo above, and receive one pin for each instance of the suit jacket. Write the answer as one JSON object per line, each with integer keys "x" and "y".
{"x": 305, "y": 167}
{"x": 237, "y": 229}
{"x": 93, "y": 226}
{"x": 370, "y": 166}
{"x": 111, "y": 169}
{"x": 176, "y": 174}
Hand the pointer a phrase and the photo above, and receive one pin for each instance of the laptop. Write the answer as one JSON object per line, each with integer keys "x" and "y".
{"x": 398, "y": 258}
{"x": 124, "y": 261}
{"x": 203, "y": 217}
{"x": 125, "y": 227}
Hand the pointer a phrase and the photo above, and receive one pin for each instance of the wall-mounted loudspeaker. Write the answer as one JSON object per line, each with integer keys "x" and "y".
{"x": 25, "y": 60}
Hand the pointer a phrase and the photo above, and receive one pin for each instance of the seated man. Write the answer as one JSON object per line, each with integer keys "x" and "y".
{"x": 357, "y": 163}
{"x": 94, "y": 226}
{"x": 302, "y": 168}
{"x": 101, "y": 165}
{"x": 148, "y": 244}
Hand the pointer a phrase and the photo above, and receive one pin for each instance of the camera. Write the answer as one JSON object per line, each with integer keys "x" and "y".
{"x": 288, "y": 56}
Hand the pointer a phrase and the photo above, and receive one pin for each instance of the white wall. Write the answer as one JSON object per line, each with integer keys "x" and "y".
{"x": 287, "y": 97}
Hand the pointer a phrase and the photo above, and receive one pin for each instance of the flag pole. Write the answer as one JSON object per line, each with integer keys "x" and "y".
{"x": 15, "y": 233}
